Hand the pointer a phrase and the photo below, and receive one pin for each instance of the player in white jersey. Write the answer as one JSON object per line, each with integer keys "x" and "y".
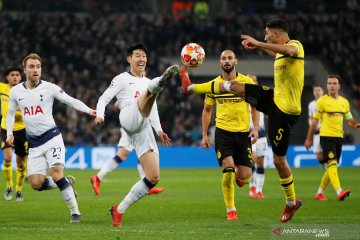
{"x": 136, "y": 95}
{"x": 124, "y": 149}
{"x": 259, "y": 149}
{"x": 35, "y": 98}
{"x": 318, "y": 92}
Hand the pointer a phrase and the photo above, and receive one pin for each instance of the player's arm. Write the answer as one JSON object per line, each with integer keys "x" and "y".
{"x": 351, "y": 121}
{"x": 156, "y": 125}
{"x": 105, "y": 98}
{"x": 205, "y": 122}
{"x": 255, "y": 115}
{"x": 310, "y": 134}
{"x": 10, "y": 118}
{"x": 73, "y": 102}
{"x": 270, "y": 48}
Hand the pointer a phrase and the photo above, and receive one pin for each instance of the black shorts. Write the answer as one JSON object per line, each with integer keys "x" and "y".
{"x": 331, "y": 148}
{"x": 235, "y": 144}
{"x": 279, "y": 123}
{"x": 20, "y": 142}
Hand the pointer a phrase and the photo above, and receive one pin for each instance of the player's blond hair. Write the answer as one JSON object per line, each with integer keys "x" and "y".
{"x": 31, "y": 56}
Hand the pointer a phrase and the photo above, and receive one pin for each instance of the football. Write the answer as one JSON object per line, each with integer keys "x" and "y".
{"x": 192, "y": 55}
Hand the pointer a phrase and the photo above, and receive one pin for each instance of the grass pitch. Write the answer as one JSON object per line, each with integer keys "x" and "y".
{"x": 191, "y": 207}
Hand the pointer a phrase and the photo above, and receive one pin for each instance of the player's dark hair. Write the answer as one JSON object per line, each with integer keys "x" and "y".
{"x": 335, "y": 76}
{"x": 136, "y": 46}
{"x": 278, "y": 24}
{"x": 317, "y": 85}
{"x": 12, "y": 69}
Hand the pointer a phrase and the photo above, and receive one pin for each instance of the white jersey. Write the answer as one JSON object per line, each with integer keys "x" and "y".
{"x": 312, "y": 111}
{"x": 36, "y": 106}
{"x": 127, "y": 88}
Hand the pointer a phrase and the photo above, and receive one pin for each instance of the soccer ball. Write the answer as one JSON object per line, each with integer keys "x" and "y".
{"x": 192, "y": 55}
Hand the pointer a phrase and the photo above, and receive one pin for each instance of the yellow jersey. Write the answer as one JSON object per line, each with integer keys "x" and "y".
{"x": 4, "y": 95}
{"x": 289, "y": 80}
{"x": 331, "y": 112}
{"x": 232, "y": 112}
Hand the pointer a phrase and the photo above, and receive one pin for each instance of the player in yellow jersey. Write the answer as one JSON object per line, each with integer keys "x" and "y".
{"x": 13, "y": 77}
{"x": 232, "y": 137}
{"x": 331, "y": 110}
{"x": 282, "y": 104}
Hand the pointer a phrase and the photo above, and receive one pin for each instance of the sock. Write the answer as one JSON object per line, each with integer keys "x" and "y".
{"x": 48, "y": 184}
{"x": 260, "y": 178}
{"x": 228, "y": 189}
{"x": 325, "y": 180}
{"x": 109, "y": 166}
{"x": 333, "y": 176}
{"x": 208, "y": 87}
{"x": 140, "y": 170}
{"x": 67, "y": 192}
{"x": 137, "y": 191}
{"x": 20, "y": 177}
{"x": 289, "y": 189}
{"x": 155, "y": 85}
{"x": 253, "y": 177}
{"x": 8, "y": 174}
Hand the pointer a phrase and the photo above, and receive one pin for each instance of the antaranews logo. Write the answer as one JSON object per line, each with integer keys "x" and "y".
{"x": 301, "y": 231}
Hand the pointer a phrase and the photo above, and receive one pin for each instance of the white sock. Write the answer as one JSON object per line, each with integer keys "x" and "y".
{"x": 253, "y": 180}
{"x": 141, "y": 171}
{"x": 291, "y": 203}
{"x": 260, "y": 178}
{"x": 154, "y": 85}
{"x": 230, "y": 209}
{"x": 320, "y": 190}
{"x": 338, "y": 191}
{"x": 52, "y": 184}
{"x": 69, "y": 197}
{"x": 108, "y": 167}
{"x": 137, "y": 191}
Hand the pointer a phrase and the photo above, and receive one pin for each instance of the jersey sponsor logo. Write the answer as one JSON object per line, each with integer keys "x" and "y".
{"x": 229, "y": 100}
{"x": 33, "y": 110}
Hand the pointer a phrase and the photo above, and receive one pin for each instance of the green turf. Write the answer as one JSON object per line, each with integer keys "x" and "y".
{"x": 191, "y": 207}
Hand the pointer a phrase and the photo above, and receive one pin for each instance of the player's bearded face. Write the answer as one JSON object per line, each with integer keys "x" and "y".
{"x": 228, "y": 67}
{"x": 33, "y": 70}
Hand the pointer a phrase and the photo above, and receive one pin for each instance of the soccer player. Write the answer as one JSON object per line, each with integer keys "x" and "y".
{"x": 318, "y": 92}
{"x": 331, "y": 110}
{"x": 137, "y": 95}
{"x": 232, "y": 137}
{"x": 13, "y": 77}
{"x": 259, "y": 149}
{"x": 35, "y": 98}
{"x": 124, "y": 149}
{"x": 282, "y": 104}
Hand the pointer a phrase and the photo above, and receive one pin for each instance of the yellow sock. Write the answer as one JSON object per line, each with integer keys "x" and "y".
{"x": 20, "y": 177}
{"x": 208, "y": 87}
{"x": 8, "y": 174}
{"x": 228, "y": 189}
{"x": 325, "y": 180}
{"x": 289, "y": 189}
{"x": 333, "y": 174}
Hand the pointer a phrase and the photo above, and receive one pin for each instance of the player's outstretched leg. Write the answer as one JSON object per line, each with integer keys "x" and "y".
{"x": 185, "y": 80}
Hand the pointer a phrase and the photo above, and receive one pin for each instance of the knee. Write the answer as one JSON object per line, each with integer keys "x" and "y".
{"x": 36, "y": 185}
{"x": 280, "y": 162}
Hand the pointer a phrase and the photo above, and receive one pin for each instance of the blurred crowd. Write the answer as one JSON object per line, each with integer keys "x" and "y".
{"x": 82, "y": 53}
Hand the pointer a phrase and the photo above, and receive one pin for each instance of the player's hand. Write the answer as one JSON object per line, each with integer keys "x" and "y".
{"x": 205, "y": 142}
{"x": 164, "y": 138}
{"x": 248, "y": 42}
{"x": 92, "y": 112}
{"x": 254, "y": 135}
{"x": 99, "y": 120}
{"x": 308, "y": 144}
{"x": 10, "y": 140}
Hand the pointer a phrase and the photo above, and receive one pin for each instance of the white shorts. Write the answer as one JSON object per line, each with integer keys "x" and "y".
{"x": 124, "y": 141}
{"x": 260, "y": 147}
{"x": 138, "y": 129}
{"x": 43, "y": 157}
{"x": 316, "y": 144}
